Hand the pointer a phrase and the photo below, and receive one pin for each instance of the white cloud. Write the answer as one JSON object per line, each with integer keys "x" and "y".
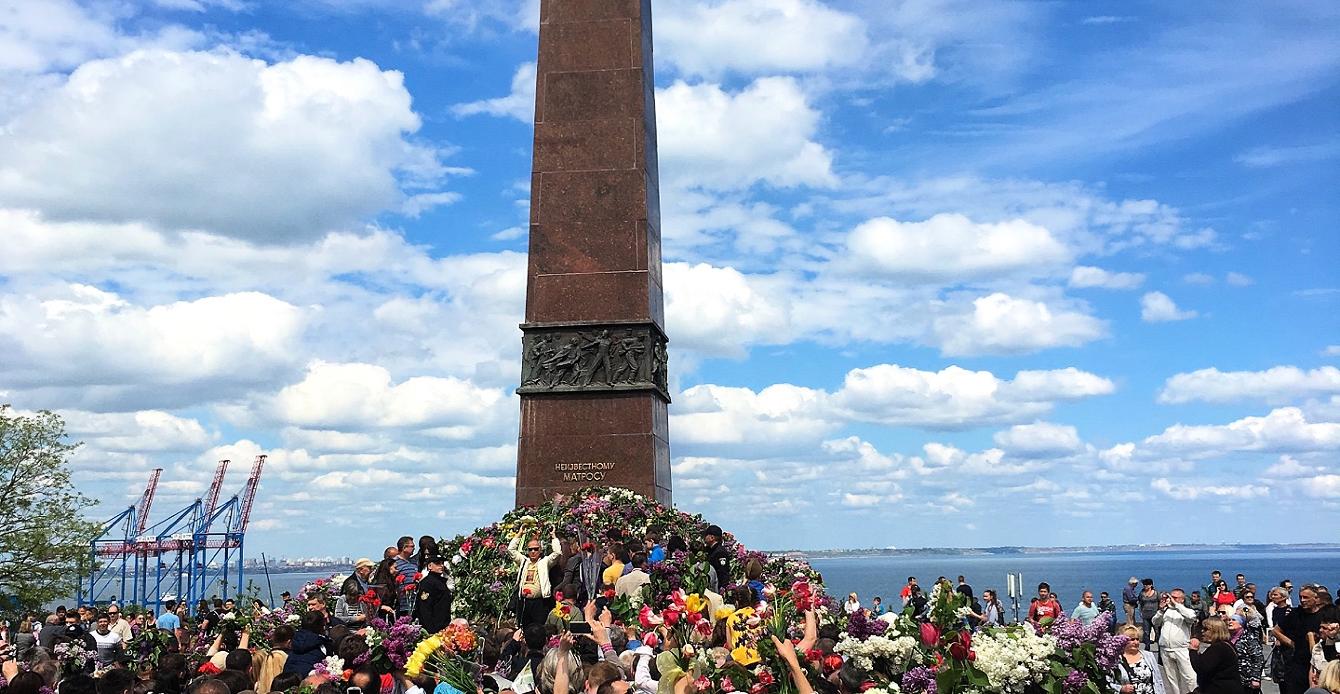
{"x": 869, "y": 500}
{"x": 80, "y": 344}
{"x": 38, "y": 37}
{"x": 715, "y": 139}
{"x": 720, "y": 311}
{"x": 1275, "y": 385}
{"x": 1199, "y": 278}
{"x": 1284, "y": 429}
{"x": 1322, "y": 487}
{"x": 953, "y": 247}
{"x": 519, "y": 104}
{"x": 1237, "y": 279}
{"x": 757, "y": 36}
{"x": 146, "y": 430}
{"x": 1040, "y": 440}
{"x": 957, "y": 398}
{"x": 364, "y": 396}
{"x": 1185, "y": 490}
{"x": 1001, "y": 324}
{"x": 1157, "y": 307}
{"x": 1084, "y": 277}
{"x": 269, "y": 153}
{"x": 1288, "y": 467}
{"x": 1331, "y": 351}
{"x": 722, "y": 418}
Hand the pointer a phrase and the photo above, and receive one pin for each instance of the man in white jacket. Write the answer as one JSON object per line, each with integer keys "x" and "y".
{"x": 532, "y": 581}
{"x": 1175, "y": 620}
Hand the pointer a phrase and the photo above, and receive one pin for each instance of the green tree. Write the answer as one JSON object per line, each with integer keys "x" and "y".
{"x": 44, "y": 538}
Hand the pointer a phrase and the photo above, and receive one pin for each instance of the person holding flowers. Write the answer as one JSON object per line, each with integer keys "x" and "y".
{"x": 534, "y": 591}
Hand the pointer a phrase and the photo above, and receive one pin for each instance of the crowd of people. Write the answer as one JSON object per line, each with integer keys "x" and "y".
{"x": 1215, "y": 639}
{"x": 560, "y": 634}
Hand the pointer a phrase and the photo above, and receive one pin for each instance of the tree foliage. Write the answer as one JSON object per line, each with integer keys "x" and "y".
{"x": 44, "y": 538}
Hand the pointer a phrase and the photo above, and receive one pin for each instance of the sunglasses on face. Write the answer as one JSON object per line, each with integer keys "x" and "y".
{"x": 532, "y": 549}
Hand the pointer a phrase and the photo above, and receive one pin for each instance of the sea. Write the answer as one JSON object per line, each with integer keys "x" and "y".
{"x": 1069, "y": 573}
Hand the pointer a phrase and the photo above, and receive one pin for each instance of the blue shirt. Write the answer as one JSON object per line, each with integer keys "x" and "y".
{"x": 657, "y": 554}
{"x": 1085, "y": 615}
{"x": 168, "y": 621}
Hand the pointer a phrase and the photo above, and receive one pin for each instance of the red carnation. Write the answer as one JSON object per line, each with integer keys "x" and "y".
{"x": 766, "y": 679}
{"x": 832, "y": 663}
{"x": 671, "y": 617}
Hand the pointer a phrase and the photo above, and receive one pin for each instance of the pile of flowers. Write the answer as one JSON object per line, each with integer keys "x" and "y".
{"x": 482, "y": 572}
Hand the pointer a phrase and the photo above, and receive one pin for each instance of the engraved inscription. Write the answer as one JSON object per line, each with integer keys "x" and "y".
{"x": 583, "y": 472}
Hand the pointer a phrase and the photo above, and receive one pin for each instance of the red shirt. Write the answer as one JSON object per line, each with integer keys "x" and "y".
{"x": 1040, "y": 610}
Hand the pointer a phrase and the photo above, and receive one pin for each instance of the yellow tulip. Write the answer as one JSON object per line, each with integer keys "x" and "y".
{"x": 695, "y": 603}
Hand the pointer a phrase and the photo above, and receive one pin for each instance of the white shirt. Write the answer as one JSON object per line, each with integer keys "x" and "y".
{"x": 107, "y": 641}
{"x": 851, "y": 606}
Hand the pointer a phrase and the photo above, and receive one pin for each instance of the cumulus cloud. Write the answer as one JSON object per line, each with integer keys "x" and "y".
{"x": 1040, "y": 439}
{"x": 756, "y": 423}
{"x": 711, "y": 138}
{"x": 957, "y": 398}
{"x": 143, "y": 431}
{"x": 85, "y": 345}
{"x": 1002, "y": 324}
{"x": 953, "y": 247}
{"x": 1085, "y": 277}
{"x": 364, "y": 396}
{"x": 1157, "y": 307}
{"x": 1275, "y": 385}
{"x": 757, "y": 36}
{"x": 271, "y": 152}
{"x": 1284, "y": 429}
{"x": 1191, "y": 491}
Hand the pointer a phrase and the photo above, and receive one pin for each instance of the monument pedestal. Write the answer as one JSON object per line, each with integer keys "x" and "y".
{"x": 594, "y": 391}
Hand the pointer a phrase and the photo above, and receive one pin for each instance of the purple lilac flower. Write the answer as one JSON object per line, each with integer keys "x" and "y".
{"x": 1074, "y": 682}
{"x": 919, "y": 679}
{"x": 861, "y": 627}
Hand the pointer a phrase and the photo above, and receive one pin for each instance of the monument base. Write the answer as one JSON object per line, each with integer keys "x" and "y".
{"x": 575, "y": 440}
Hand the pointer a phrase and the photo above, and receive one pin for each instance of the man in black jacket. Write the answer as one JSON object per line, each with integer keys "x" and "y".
{"x": 717, "y": 557}
{"x": 433, "y": 609}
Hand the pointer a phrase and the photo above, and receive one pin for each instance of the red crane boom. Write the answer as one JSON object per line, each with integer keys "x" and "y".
{"x": 147, "y": 502}
{"x": 249, "y": 492}
{"x": 212, "y": 497}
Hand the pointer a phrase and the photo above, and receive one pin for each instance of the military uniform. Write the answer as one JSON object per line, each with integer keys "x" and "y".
{"x": 433, "y": 608}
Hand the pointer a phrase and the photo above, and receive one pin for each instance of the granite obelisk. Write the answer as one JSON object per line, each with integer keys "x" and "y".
{"x": 593, "y": 380}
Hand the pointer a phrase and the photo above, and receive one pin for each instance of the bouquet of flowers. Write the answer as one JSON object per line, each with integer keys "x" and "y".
{"x": 390, "y": 645}
{"x": 148, "y": 645}
{"x": 73, "y": 657}
{"x": 446, "y": 657}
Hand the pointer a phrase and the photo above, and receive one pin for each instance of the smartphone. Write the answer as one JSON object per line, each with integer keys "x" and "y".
{"x": 580, "y": 627}
{"x": 353, "y": 690}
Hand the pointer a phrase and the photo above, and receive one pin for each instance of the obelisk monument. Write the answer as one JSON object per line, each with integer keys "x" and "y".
{"x": 593, "y": 378}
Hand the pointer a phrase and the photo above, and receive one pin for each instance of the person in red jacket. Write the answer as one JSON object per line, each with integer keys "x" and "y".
{"x": 1045, "y": 609}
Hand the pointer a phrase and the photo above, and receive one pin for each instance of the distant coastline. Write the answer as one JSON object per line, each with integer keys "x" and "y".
{"x": 255, "y": 571}
{"x": 1020, "y": 550}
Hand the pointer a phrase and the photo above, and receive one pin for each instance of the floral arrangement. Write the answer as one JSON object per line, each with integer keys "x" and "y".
{"x": 446, "y": 657}
{"x": 390, "y": 645}
{"x": 331, "y": 668}
{"x": 72, "y": 657}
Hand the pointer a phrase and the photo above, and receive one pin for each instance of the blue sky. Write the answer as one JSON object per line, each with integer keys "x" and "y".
{"x": 939, "y": 273}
